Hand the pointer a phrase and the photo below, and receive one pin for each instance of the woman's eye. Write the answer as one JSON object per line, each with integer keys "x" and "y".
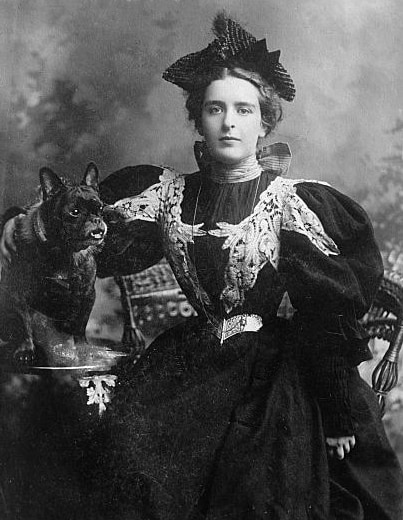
{"x": 74, "y": 212}
{"x": 214, "y": 110}
{"x": 244, "y": 111}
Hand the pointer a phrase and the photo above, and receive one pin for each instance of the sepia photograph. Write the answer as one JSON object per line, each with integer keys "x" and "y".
{"x": 201, "y": 260}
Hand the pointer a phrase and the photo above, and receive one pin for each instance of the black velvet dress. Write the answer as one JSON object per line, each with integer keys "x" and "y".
{"x": 200, "y": 429}
{"x": 203, "y": 430}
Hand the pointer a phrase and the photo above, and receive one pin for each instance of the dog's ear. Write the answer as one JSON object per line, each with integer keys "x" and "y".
{"x": 50, "y": 182}
{"x": 91, "y": 176}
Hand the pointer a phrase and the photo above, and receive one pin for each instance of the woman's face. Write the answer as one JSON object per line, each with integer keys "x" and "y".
{"x": 231, "y": 119}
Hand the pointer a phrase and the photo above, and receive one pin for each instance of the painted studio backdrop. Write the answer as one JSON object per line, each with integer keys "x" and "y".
{"x": 81, "y": 80}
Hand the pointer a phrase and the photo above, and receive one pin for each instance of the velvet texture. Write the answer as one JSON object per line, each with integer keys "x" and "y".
{"x": 198, "y": 430}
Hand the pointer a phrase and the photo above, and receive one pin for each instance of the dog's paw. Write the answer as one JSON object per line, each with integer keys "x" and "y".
{"x": 81, "y": 340}
{"x": 24, "y": 355}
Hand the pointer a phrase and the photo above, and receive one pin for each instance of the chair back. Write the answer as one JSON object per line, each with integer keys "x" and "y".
{"x": 152, "y": 302}
{"x": 384, "y": 321}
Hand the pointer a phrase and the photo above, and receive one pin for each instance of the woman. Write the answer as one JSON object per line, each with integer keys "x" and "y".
{"x": 254, "y": 409}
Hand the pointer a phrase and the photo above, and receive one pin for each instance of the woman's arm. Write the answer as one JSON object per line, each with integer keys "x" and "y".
{"x": 131, "y": 247}
{"x": 8, "y": 223}
{"x": 331, "y": 292}
{"x": 7, "y": 243}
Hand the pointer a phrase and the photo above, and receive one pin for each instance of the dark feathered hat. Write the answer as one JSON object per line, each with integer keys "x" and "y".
{"x": 233, "y": 46}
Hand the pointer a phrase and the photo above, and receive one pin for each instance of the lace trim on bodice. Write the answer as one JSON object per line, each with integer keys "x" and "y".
{"x": 252, "y": 243}
{"x": 255, "y": 241}
{"x": 176, "y": 237}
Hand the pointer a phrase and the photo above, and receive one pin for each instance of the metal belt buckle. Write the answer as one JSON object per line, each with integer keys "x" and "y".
{"x": 238, "y": 324}
{"x": 232, "y": 326}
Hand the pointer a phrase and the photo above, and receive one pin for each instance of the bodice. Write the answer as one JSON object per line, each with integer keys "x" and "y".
{"x": 221, "y": 238}
{"x": 208, "y": 204}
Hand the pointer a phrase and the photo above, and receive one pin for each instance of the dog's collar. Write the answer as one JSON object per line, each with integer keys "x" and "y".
{"x": 39, "y": 227}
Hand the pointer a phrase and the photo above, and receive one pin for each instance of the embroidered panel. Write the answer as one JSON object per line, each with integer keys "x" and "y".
{"x": 299, "y": 218}
{"x": 256, "y": 240}
{"x": 176, "y": 236}
{"x": 146, "y": 205}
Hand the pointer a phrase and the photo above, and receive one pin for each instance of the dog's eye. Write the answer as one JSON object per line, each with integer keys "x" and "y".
{"x": 74, "y": 212}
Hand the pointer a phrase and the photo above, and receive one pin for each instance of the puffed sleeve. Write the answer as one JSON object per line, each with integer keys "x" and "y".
{"x": 345, "y": 278}
{"x": 132, "y": 246}
{"x": 332, "y": 268}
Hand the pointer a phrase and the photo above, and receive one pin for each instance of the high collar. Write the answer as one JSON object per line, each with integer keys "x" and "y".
{"x": 274, "y": 158}
{"x": 245, "y": 170}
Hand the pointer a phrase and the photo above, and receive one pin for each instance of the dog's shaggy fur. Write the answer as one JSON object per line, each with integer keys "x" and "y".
{"x": 49, "y": 285}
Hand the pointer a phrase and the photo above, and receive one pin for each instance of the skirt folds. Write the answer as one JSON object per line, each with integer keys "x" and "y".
{"x": 199, "y": 430}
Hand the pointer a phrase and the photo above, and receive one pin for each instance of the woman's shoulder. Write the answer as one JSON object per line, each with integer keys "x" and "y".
{"x": 324, "y": 199}
{"x": 340, "y": 215}
{"x": 318, "y": 195}
{"x": 133, "y": 180}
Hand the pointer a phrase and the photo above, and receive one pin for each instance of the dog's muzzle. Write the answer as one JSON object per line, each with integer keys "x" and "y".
{"x": 99, "y": 233}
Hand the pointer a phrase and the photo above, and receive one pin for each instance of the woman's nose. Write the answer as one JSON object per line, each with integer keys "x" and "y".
{"x": 228, "y": 121}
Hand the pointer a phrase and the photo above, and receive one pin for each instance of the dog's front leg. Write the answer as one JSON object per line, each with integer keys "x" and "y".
{"x": 80, "y": 327}
{"x": 80, "y": 337}
{"x": 25, "y": 352}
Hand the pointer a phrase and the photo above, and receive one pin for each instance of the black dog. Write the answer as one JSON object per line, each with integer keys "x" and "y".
{"x": 50, "y": 282}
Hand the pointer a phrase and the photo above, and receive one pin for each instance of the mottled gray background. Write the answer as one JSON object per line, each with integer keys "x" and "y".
{"x": 81, "y": 80}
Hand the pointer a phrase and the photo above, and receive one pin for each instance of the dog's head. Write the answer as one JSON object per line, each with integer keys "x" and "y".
{"x": 72, "y": 214}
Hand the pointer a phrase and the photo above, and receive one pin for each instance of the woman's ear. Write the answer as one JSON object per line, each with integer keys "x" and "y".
{"x": 263, "y": 132}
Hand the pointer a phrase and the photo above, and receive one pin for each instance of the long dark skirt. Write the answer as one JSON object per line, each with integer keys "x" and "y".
{"x": 195, "y": 431}
{"x": 368, "y": 483}
{"x": 199, "y": 430}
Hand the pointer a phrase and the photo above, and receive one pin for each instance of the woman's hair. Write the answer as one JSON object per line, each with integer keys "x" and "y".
{"x": 270, "y": 106}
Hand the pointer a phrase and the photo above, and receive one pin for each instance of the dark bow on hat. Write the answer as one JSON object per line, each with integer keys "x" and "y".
{"x": 233, "y": 46}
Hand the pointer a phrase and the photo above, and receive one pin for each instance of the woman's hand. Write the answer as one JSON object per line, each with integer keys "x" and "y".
{"x": 340, "y": 446}
{"x": 7, "y": 242}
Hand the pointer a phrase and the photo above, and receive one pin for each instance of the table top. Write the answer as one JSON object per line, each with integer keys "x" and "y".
{"x": 65, "y": 358}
